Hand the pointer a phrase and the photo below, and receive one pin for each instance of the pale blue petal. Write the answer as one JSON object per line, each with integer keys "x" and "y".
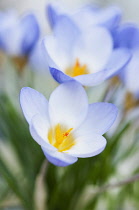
{"x": 30, "y": 30}
{"x": 59, "y": 46}
{"x": 32, "y": 102}
{"x": 56, "y": 56}
{"x": 59, "y": 158}
{"x": 52, "y": 15}
{"x": 131, "y": 73}
{"x": 59, "y": 76}
{"x": 99, "y": 119}
{"x": 118, "y": 60}
{"x": 38, "y": 58}
{"x": 108, "y": 17}
{"x": 18, "y": 36}
{"x": 9, "y": 24}
{"x": 87, "y": 16}
{"x": 93, "y": 48}
{"x": 68, "y": 105}
{"x": 39, "y": 128}
{"x": 66, "y": 32}
{"x": 87, "y": 146}
{"x": 91, "y": 79}
{"x": 127, "y": 35}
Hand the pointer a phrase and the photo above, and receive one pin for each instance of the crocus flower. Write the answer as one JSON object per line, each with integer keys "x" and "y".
{"x": 18, "y": 36}
{"x": 86, "y": 16}
{"x": 86, "y": 56}
{"x": 127, "y": 36}
{"x": 67, "y": 127}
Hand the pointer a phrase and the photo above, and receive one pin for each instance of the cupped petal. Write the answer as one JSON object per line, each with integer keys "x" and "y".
{"x": 32, "y": 102}
{"x": 30, "y": 32}
{"x": 59, "y": 158}
{"x": 87, "y": 146}
{"x": 66, "y": 32}
{"x": 94, "y": 48}
{"x": 91, "y": 79}
{"x": 99, "y": 119}
{"x": 68, "y": 105}
{"x": 60, "y": 45}
{"x": 127, "y": 36}
{"x": 118, "y": 60}
{"x": 39, "y": 128}
{"x": 46, "y": 52}
{"x": 56, "y": 55}
{"x": 59, "y": 76}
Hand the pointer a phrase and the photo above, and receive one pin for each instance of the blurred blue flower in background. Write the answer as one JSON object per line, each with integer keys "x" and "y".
{"x": 86, "y": 16}
{"x": 18, "y": 36}
{"x": 127, "y": 35}
{"x": 87, "y": 55}
{"x": 64, "y": 128}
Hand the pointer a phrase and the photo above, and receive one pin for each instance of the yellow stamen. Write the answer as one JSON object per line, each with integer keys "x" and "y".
{"x": 61, "y": 139}
{"x": 77, "y": 69}
{"x": 20, "y": 63}
{"x": 130, "y": 101}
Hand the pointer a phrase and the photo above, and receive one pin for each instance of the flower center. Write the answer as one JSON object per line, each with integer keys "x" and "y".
{"x": 61, "y": 138}
{"x": 77, "y": 69}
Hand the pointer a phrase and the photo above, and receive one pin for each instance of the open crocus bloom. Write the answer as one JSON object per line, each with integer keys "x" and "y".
{"x": 18, "y": 36}
{"x": 85, "y": 56}
{"x": 86, "y": 16}
{"x": 127, "y": 36}
{"x": 67, "y": 127}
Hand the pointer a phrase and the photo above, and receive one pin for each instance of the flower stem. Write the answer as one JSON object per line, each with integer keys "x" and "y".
{"x": 40, "y": 192}
{"x": 118, "y": 184}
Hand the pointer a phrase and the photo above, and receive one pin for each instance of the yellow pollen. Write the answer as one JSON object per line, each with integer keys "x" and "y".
{"x": 61, "y": 138}
{"x": 77, "y": 69}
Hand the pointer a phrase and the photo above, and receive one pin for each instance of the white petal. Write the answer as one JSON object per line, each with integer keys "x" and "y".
{"x": 99, "y": 119}
{"x": 94, "y": 48}
{"x": 60, "y": 57}
{"x": 39, "y": 128}
{"x": 69, "y": 35}
{"x": 60, "y": 45}
{"x": 68, "y": 105}
{"x": 59, "y": 158}
{"x": 88, "y": 146}
{"x": 32, "y": 103}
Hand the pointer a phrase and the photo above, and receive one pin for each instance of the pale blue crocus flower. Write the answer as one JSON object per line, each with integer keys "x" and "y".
{"x": 18, "y": 35}
{"x": 86, "y": 56}
{"x": 127, "y": 35}
{"x": 86, "y": 16}
{"x": 66, "y": 127}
